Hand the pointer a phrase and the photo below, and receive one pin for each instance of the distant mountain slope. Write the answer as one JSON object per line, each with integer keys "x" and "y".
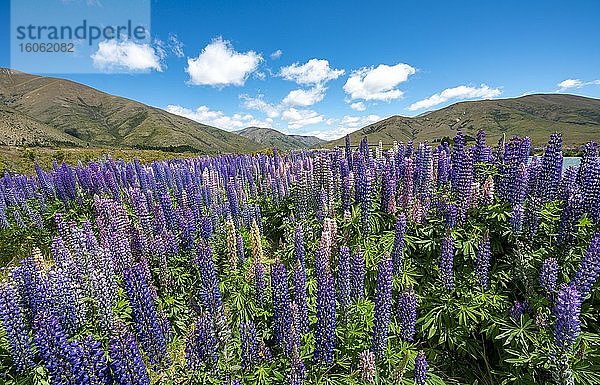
{"x": 90, "y": 116}
{"x": 269, "y": 137}
{"x": 536, "y": 116}
{"x": 17, "y": 129}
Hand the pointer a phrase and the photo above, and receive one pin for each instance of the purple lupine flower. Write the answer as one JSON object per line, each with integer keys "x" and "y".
{"x": 519, "y": 195}
{"x": 91, "y": 366}
{"x": 201, "y": 345}
{"x": 398, "y": 247}
{"x": 383, "y": 307}
{"x": 249, "y": 344}
{"x": 345, "y": 188}
{"x": 125, "y": 358}
{"x": 407, "y": 311}
{"x": 325, "y": 328}
{"x": 58, "y": 355}
{"x": 367, "y": 366}
{"x": 281, "y": 305}
{"x": 408, "y": 183}
{"x": 208, "y": 288}
{"x": 206, "y": 227}
{"x": 551, "y": 171}
{"x": 357, "y": 272}
{"x": 343, "y": 278}
{"x": 33, "y": 287}
{"x": 549, "y": 275}
{"x": 450, "y": 215}
{"x": 518, "y": 309}
{"x": 447, "y": 262}
{"x": 421, "y": 368}
{"x": 12, "y": 319}
{"x": 299, "y": 282}
{"x": 566, "y": 310}
{"x": 144, "y": 315}
{"x": 482, "y": 263}
{"x": 297, "y": 369}
{"x": 589, "y": 268}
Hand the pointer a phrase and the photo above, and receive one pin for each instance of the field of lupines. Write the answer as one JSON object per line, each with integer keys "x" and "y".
{"x": 416, "y": 265}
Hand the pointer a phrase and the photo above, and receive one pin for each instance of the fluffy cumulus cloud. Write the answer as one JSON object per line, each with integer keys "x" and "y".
{"x": 313, "y": 72}
{"x": 296, "y": 118}
{"x": 575, "y": 83}
{"x": 358, "y": 106}
{"x": 205, "y": 115}
{"x": 113, "y": 55}
{"x": 304, "y": 98}
{"x": 378, "y": 83}
{"x": 220, "y": 65}
{"x": 456, "y": 93}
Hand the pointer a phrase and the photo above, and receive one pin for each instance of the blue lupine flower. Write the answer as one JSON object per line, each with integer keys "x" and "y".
{"x": 589, "y": 268}
{"x": 201, "y": 345}
{"x": 12, "y": 319}
{"x": 343, "y": 277}
{"x": 144, "y": 315}
{"x": 447, "y": 262}
{"x": 566, "y": 310}
{"x": 398, "y": 247}
{"x": 407, "y": 312}
{"x": 383, "y": 307}
{"x": 421, "y": 368}
{"x": 299, "y": 282}
{"x": 281, "y": 305}
{"x": 91, "y": 366}
{"x": 125, "y": 358}
{"x": 482, "y": 263}
{"x": 249, "y": 344}
{"x": 325, "y": 328}
{"x": 549, "y": 275}
{"x": 60, "y": 357}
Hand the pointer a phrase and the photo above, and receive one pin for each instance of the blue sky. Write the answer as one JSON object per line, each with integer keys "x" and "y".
{"x": 328, "y": 68}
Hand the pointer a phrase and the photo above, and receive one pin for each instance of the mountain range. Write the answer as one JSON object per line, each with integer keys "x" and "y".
{"x": 536, "y": 116}
{"x": 272, "y": 138}
{"x": 45, "y": 111}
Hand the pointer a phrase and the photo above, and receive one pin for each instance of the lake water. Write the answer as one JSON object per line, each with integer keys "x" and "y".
{"x": 569, "y": 161}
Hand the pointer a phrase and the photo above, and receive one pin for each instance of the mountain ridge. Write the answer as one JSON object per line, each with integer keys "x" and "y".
{"x": 273, "y": 138}
{"x": 92, "y": 117}
{"x": 535, "y": 115}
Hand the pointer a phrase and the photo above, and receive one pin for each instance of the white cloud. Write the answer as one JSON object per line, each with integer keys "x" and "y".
{"x": 313, "y": 72}
{"x": 113, "y": 55}
{"x": 176, "y": 45}
{"x": 576, "y": 83}
{"x": 456, "y": 93}
{"x": 299, "y": 118}
{"x": 344, "y": 126}
{"x": 258, "y": 103}
{"x": 205, "y": 115}
{"x": 305, "y": 98}
{"x": 276, "y": 54}
{"x": 220, "y": 65}
{"x": 378, "y": 83}
{"x": 358, "y": 106}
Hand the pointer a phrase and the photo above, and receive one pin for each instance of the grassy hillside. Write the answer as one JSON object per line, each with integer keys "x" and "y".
{"x": 269, "y": 137}
{"x": 536, "y": 116}
{"x": 89, "y": 116}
